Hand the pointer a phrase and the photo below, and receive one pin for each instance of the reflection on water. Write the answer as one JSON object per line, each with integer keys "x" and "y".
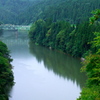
{"x": 61, "y": 64}
{"x": 40, "y": 73}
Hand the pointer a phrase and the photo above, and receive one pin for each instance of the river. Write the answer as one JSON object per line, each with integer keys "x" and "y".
{"x": 40, "y": 73}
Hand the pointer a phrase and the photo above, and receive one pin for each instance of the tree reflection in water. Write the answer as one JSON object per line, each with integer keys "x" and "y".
{"x": 61, "y": 64}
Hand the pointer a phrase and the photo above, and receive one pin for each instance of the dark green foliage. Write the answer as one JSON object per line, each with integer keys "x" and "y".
{"x": 92, "y": 67}
{"x": 73, "y": 39}
{"x": 92, "y": 93}
{"x": 6, "y": 75}
{"x": 72, "y": 11}
{"x": 28, "y": 11}
{"x": 10, "y": 9}
{"x": 4, "y": 51}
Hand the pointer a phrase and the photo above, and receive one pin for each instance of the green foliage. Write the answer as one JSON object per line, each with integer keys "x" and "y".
{"x": 10, "y": 9}
{"x": 64, "y": 36}
{"x": 5, "y": 51}
{"x": 96, "y": 42}
{"x": 6, "y": 74}
{"x": 73, "y": 11}
{"x": 96, "y": 16}
{"x": 92, "y": 67}
{"x": 92, "y": 93}
{"x": 37, "y": 31}
{"x": 28, "y": 11}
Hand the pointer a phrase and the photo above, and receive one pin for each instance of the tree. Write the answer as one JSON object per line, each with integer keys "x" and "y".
{"x": 6, "y": 74}
{"x": 92, "y": 67}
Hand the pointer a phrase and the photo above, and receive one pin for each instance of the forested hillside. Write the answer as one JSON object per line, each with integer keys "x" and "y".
{"x": 73, "y": 11}
{"x": 10, "y": 9}
{"x": 63, "y": 36}
{"x": 92, "y": 66}
{"x": 28, "y": 11}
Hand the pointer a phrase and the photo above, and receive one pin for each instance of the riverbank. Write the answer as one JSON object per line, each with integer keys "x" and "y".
{"x": 63, "y": 36}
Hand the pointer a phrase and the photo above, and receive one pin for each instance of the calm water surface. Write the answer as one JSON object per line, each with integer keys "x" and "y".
{"x": 40, "y": 73}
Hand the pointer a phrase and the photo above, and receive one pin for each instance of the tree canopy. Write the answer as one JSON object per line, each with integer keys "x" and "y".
{"x": 28, "y": 11}
{"x": 92, "y": 66}
{"x": 6, "y": 74}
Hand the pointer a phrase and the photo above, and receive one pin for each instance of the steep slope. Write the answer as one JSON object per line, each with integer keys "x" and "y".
{"x": 28, "y": 11}
{"x": 10, "y": 9}
{"x": 73, "y": 11}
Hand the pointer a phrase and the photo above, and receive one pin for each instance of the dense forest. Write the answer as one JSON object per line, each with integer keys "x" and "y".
{"x": 60, "y": 35}
{"x": 10, "y": 9}
{"x": 73, "y": 11}
{"x": 28, "y": 11}
{"x": 6, "y": 74}
{"x": 92, "y": 67}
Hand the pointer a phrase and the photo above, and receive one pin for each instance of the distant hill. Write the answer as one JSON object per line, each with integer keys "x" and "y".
{"x": 73, "y": 11}
{"x": 10, "y": 9}
{"x": 28, "y": 11}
